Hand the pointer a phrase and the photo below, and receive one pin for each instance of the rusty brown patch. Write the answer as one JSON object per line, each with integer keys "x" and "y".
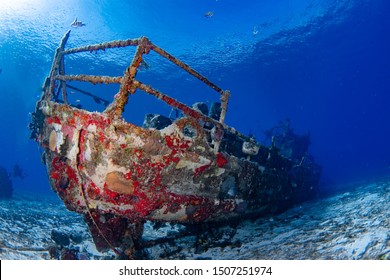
{"x": 183, "y": 122}
{"x": 154, "y": 147}
{"x": 116, "y": 182}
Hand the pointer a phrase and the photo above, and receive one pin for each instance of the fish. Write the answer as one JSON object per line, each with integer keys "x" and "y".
{"x": 209, "y": 14}
{"x": 77, "y": 23}
{"x": 143, "y": 65}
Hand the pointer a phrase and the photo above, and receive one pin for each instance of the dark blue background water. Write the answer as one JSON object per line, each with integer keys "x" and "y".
{"x": 324, "y": 64}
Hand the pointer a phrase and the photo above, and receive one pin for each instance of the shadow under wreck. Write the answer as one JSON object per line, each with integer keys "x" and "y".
{"x": 194, "y": 170}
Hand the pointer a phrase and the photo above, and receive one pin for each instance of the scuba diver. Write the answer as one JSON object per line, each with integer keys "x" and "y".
{"x": 77, "y": 23}
{"x": 18, "y": 172}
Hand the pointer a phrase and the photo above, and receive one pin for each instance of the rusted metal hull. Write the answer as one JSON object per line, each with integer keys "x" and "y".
{"x": 146, "y": 174}
{"x": 119, "y": 175}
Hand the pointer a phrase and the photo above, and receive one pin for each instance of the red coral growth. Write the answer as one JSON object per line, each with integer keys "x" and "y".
{"x": 53, "y": 119}
{"x": 138, "y": 153}
{"x": 176, "y": 143}
{"x": 110, "y": 195}
{"x": 127, "y": 176}
{"x": 65, "y": 179}
{"x": 170, "y": 141}
{"x": 201, "y": 169}
{"x": 221, "y": 160}
{"x": 177, "y": 146}
{"x": 54, "y": 175}
{"x": 93, "y": 191}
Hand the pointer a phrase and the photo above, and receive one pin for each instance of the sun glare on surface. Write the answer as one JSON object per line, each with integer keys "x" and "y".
{"x": 18, "y": 5}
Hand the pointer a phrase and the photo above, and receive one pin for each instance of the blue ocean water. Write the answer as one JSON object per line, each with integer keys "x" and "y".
{"x": 322, "y": 63}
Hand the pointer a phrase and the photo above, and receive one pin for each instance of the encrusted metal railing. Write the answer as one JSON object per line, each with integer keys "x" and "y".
{"x": 128, "y": 83}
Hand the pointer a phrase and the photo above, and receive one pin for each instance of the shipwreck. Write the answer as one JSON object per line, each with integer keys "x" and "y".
{"x": 194, "y": 169}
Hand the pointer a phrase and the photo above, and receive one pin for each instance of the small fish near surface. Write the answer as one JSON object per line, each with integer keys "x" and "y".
{"x": 77, "y": 23}
{"x": 209, "y": 14}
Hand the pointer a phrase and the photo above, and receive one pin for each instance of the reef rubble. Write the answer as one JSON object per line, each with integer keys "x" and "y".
{"x": 352, "y": 224}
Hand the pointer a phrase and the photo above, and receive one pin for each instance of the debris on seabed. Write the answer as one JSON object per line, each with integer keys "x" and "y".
{"x": 350, "y": 225}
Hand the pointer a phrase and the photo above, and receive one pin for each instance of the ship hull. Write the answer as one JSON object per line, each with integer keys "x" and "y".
{"x": 95, "y": 163}
{"x": 195, "y": 169}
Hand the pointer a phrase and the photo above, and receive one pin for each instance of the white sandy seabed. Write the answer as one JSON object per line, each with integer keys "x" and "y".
{"x": 352, "y": 224}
